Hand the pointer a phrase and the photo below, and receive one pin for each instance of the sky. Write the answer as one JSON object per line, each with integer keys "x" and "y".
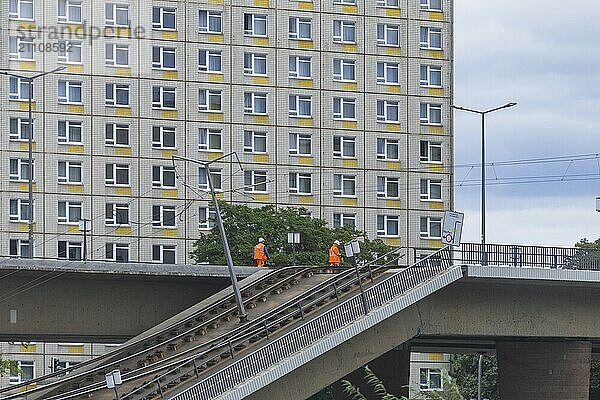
{"x": 544, "y": 55}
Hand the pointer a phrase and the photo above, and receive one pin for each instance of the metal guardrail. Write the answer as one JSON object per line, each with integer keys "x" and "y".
{"x": 528, "y": 256}
{"x": 318, "y": 328}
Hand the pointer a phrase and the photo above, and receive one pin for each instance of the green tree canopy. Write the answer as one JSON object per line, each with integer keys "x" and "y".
{"x": 244, "y": 225}
{"x": 464, "y": 371}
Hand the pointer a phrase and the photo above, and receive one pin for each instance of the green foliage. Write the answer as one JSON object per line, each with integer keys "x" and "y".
{"x": 244, "y": 225}
{"x": 595, "y": 380}
{"x": 587, "y": 257}
{"x": 585, "y": 244}
{"x": 450, "y": 391}
{"x": 325, "y": 394}
{"x": 464, "y": 368}
{"x": 8, "y": 366}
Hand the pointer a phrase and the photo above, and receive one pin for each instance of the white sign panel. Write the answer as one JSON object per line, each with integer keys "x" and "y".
{"x": 452, "y": 227}
{"x": 598, "y": 203}
{"x": 294, "y": 237}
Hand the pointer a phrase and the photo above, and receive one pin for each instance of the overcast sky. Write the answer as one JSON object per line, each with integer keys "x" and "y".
{"x": 544, "y": 55}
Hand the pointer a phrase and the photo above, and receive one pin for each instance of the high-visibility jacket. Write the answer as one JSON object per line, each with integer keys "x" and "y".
{"x": 260, "y": 252}
{"x": 334, "y": 254}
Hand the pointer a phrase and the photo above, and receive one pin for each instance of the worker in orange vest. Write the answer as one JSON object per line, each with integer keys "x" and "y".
{"x": 335, "y": 256}
{"x": 260, "y": 253}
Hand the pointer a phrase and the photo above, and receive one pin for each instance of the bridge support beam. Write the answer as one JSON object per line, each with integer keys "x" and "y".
{"x": 393, "y": 368}
{"x": 544, "y": 370}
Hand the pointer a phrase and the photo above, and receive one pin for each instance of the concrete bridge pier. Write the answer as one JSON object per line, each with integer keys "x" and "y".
{"x": 544, "y": 370}
{"x": 393, "y": 368}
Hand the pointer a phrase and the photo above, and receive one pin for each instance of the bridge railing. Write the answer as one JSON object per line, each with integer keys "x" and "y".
{"x": 523, "y": 256}
{"x": 318, "y": 328}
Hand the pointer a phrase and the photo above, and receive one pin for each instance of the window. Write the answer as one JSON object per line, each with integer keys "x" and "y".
{"x": 387, "y": 149}
{"x": 255, "y": 181}
{"x": 19, "y": 129}
{"x": 209, "y": 139}
{"x": 388, "y": 35}
{"x": 344, "y": 32}
{"x": 69, "y": 250}
{"x": 431, "y": 76}
{"x": 117, "y": 135}
{"x": 19, "y": 210}
{"x": 26, "y": 372}
{"x": 344, "y": 185}
{"x": 344, "y": 70}
{"x": 116, "y": 214}
{"x": 69, "y": 92}
{"x": 19, "y": 89}
{"x": 163, "y": 216}
{"x": 163, "y": 57}
{"x": 116, "y": 14}
{"x": 431, "y": 228}
{"x": 215, "y": 178}
{"x": 69, "y": 212}
{"x": 210, "y": 100}
{"x": 116, "y": 55}
{"x": 163, "y": 137}
{"x": 300, "y": 183}
{"x": 20, "y": 9}
{"x": 255, "y": 25}
{"x": 388, "y": 226}
{"x": 344, "y": 147}
{"x": 388, "y": 73}
{"x": 163, "y": 176}
{"x": 431, "y": 5}
{"x": 19, "y": 169}
{"x": 342, "y": 219}
{"x": 300, "y": 144}
{"x": 255, "y": 142}
{"x": 431, "y": 152}
{"x": 20, "y": 48}
{"x": 255, "y": 64}
{"x": 116, "y": 174}
{"x": 69, "y": 172}
{"x": 300, "y": 106}
{"x": 69, "y": 132}
{"x": 117, "y": 94}
{"x": 163, "y": 253}
{"x": 210, "y": 61}
{"x": 117, "y": 252}
{"x": 431, "y": 190}
{"x": 69, "y": 51}
{"x": 19, "y": 248}
{"x": 300, "y": 67}
{"x": 210, "y": 21}
{"x": 163, "y": 18}
{"x": 431, "y": 38}
{"x": 387, "y": 187}
{"x": 69, "y": 11}
{"x": 255, "y": 103}
{"x": 207, "y": 217}
{"x": 431, "y": 114}
{"x": 163, "y": 97}
{"x": 344, "y": 108}
{"x": 300, "y": 28}
{"x": 388, "y": 111}
{"x": 388, "y": 3}
{"x": 344, "y": 1}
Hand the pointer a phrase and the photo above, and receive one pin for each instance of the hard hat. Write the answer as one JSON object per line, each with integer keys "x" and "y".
{"x": 261, "y": 240}
{"x": 337, "y": 242}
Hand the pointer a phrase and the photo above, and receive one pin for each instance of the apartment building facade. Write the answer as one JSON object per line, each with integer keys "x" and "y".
{"x": 338, "y": 106}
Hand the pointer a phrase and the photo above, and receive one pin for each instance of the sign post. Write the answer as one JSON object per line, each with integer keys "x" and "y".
{"x": 293, "y": 239}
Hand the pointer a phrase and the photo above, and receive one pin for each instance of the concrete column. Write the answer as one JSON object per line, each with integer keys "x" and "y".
{"x": 392, "y": 368}
{"x": 544, "y": 370}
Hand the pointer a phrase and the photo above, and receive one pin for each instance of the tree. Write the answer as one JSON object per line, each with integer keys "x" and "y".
{"x": 586, "y": 257}
{"x": 244, "y": 225}
{"x": 464, "y": 370}
{"x": 8, "y": 366}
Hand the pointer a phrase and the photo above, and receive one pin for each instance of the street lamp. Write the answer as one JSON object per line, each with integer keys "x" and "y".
{"x": 483, "y": 114}
{"x": 242, "y": 315}
{"x": 29, "y": 80}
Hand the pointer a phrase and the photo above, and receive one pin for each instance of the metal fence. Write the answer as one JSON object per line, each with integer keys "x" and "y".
{"x": 314, "y": 330}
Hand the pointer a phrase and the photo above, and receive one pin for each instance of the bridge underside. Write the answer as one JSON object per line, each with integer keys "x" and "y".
{"x": 469, "y": 314}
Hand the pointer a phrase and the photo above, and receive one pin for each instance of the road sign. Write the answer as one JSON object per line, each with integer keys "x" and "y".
{"x": 452, "y": 227}
{"x": 294, "y": 237}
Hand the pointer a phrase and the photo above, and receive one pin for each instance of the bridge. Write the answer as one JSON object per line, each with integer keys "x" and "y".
{"x": 534, "y": 306}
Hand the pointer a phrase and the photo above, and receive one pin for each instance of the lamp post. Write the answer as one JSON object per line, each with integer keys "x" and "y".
{"x": 29, "y": 80}
{"x": 483, "y": 114}
{"x": 242, "y": 315}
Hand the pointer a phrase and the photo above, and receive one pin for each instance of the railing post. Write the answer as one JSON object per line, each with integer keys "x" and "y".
{"x": 159, "y": 388}
{"x": 301, "y": 310}
{"x": 555, "y": 261}
{"x": 195, "y": 368}
{"x": 266, "y": 328}
{"x": 337, "y": 297}
{"x": 230, "y": 348}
